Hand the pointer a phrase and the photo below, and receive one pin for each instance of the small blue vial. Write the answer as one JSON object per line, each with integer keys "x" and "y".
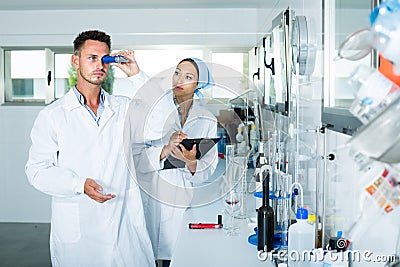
{"x": 114, "y": 59}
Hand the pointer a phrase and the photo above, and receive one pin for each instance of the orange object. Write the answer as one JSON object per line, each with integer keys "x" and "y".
{"x": 387, "y": 69}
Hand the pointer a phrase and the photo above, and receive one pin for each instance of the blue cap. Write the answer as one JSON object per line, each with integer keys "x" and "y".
{"x": 302, "y": 214}
{"x": 205, "y": 79}
{"x": 339, "y": 234}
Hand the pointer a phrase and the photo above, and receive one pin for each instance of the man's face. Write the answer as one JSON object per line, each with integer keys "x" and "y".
{"x": 89, "y": 65}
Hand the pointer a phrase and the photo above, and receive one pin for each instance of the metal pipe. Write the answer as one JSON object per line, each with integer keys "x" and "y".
{"x": 324, "y": 191}
{"x": 242, "y": 94}
{"x": 317, "y": 188}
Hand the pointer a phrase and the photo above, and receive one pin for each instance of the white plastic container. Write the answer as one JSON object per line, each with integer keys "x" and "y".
{"x": 301, "y": 240}
{"x": 374, "y": 92}
{"x": 254, "y": 138}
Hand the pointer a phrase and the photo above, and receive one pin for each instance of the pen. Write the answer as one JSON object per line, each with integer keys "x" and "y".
{"x": 205, "y": 225}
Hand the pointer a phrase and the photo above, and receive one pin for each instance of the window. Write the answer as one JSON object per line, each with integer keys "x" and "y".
{"x": 341, "y": 18}
{"x": 25, "y": 75}
{"x": 230, "y": 73}
{"x": 26, "y": 72}
{"x": 62, "y": 63}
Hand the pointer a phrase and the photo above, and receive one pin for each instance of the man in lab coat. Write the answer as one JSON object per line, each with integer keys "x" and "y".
{"x": 77, "y": 157}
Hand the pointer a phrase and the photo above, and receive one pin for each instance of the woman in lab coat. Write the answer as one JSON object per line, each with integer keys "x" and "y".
{"x": 167, "y": 192}
{"x": 77, "y": 158}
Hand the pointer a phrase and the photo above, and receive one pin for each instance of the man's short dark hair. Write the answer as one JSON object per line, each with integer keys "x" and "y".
{"x": 90, "y": 35}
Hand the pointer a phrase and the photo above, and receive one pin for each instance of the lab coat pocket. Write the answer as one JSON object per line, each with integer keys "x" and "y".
{"x": 65, "y": 222}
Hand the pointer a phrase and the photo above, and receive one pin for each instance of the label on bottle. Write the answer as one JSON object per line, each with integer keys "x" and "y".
{"x": 384, "y": 191}
{"x": 369, "y": 88}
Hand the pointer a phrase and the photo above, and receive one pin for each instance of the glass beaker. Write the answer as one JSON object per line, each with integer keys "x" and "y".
{"x": 282, "y": 200}
{"x": 232, "y": 203}
{"x": 240, "y": 163}
{"x": 232, "y": 198}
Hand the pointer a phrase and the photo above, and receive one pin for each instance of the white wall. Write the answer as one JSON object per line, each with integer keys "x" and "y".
{"x": 133, "y": 28}
{"x": 19, "y": 202}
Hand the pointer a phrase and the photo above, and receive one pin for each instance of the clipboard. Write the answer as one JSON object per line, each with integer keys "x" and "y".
{"x": 203, "y": 145}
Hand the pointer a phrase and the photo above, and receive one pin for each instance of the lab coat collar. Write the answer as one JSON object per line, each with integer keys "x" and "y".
{"x": 196, "y": 110}
{"x": 110, "y": 105}
{"x": 72, "y": 102}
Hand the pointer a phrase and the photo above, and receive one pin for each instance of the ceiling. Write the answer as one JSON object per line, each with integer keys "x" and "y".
{"x": 135, "y": 4}
{"x": 130, "y": 4}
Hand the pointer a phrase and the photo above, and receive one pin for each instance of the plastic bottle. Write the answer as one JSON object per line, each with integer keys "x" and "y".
{"x": 239, "y": 135}
{"x": 378, "y": 198}
{"x": 241, "y": 144}
{"x": 301, "y": 240}
{"x": 312, "y": 219}
{"x": 373, "y": 92}
{"x": 254, "y": 138}
{"x": 385, "y": 30}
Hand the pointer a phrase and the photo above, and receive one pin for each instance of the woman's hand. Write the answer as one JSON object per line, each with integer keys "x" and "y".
{"x": 183, "y": 154}
{"x": 174, "y": 141}
{"x": 187, "y": 156}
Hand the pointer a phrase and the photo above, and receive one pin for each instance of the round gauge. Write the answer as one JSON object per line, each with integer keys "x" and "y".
{"x": 302, "y": 53}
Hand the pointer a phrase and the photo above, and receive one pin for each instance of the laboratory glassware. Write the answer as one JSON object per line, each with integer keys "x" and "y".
{"x": 240, "y": 167}
{"x": 254, "y": 137}
{"x": 232, "y": 191}
{"x": 261, "y": 166}
{"x": 282, "y": 199}
{"x": 386, "y": 126}
{"x": 232, "y": 206}
{"x": 265, "y": 219}
{"x": 356, "y": 46}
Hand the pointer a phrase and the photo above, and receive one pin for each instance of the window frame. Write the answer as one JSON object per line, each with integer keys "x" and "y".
{"x": 6, "y": 97}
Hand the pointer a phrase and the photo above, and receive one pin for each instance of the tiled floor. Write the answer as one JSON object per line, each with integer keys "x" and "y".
{"x": 24, "y": 245}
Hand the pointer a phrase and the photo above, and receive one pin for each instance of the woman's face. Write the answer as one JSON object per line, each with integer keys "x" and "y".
{"x": 184, "y": 80}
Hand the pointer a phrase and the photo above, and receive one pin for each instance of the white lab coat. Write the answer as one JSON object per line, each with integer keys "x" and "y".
{"x": 167, "y": 193}
{"x": 68, "y": 147}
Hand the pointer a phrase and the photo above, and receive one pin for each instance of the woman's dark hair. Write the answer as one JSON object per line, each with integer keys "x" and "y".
{"x": 90, "y": 35}
{"x": 193, "y": 63}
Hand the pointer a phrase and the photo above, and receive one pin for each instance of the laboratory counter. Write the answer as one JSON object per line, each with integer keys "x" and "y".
{"x": 213, "y": 247}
